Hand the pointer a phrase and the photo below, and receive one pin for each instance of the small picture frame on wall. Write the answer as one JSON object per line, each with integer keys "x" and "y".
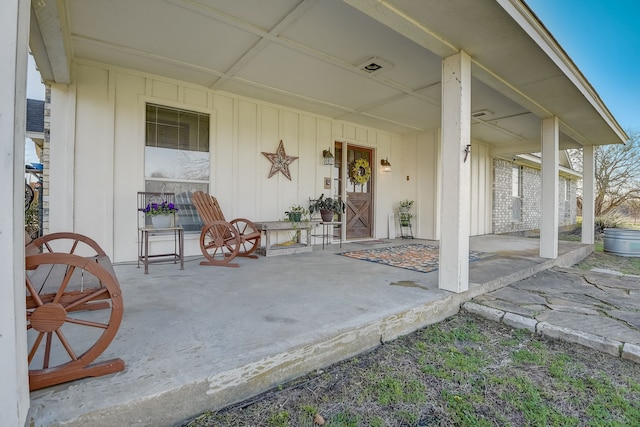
{"x": 327, "y": 183}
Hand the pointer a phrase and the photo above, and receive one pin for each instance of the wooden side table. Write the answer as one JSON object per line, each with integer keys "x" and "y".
{"x": 268, "y": 227}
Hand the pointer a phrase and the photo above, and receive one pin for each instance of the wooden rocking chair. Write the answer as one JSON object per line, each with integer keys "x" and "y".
{"x": 222, "y": 241}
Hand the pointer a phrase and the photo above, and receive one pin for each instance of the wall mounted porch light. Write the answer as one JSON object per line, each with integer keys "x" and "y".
{"x": 386, "y": 166}
{"x": 328, "y": 157}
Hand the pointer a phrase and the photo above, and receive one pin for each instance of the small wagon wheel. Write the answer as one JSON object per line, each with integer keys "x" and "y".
{"x": 250, "y": 236}
{"x": 29, "y": 195}
{"x": 220, "y": 243}
{"x": 59, "y": 335}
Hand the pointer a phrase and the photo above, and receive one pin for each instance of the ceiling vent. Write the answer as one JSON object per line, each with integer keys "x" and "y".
{"x": 481, "y": 114}
{"x": 375, "y": 65}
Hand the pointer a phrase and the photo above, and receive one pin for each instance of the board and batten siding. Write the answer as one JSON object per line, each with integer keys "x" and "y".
{"x": 420, "y": 181}
{"x": 100, "y": 143}
{"x": 106, "y": 137}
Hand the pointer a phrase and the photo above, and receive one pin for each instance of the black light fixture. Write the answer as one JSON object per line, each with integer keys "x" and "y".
{"x": 328, "y": 157}
{"x": 386, "y": 166}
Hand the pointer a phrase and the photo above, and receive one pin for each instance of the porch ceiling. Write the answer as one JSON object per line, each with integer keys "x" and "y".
{"x": 306, "y": 54}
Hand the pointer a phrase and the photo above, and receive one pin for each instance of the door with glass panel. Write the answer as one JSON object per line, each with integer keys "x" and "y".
{"x": 357, "y": 190}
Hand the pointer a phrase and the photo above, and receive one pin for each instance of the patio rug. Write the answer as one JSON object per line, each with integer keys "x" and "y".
{"x": 415, "y": 256}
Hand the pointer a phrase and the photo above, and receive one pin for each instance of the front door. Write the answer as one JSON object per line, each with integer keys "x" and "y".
{"x": 359, "y": 190}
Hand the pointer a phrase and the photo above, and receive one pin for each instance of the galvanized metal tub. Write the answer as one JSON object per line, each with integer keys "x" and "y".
{"x": 620, "y": 241}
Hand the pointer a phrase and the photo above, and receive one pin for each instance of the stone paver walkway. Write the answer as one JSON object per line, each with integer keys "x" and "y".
{"x": 596, "y": 309}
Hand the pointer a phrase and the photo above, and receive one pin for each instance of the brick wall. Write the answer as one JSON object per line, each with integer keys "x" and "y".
{"x": 502, "y": 215}
{"x": 45, "y": 160}
{"x": 503, "y": 221}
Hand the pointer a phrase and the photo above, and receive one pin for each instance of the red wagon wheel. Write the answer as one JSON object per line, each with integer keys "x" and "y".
{"x": 220, "y": 243}
{"x": 250, "y": 236}
{"x": 65, "y": 243}
{"x": 62, "y": 339}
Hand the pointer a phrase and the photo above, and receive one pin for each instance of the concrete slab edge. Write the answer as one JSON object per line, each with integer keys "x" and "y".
{"x": 244, "y": 382}
{"x": 493, "y": 285}
{"x": 616, "y": 348}
{"x": 574, "y": 256}
{"x": 595, "y": 342}
{"x": 520, "y": 322}
{"x": 488, "y": 313}
{"x": 631, "y": 352}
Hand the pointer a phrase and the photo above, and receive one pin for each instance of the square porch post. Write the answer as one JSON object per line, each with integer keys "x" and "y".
{"x": 550, "y": 182}
{"x": 14, "y": 384}
{"x": 456, "y": 173}
{"x": 588, "y": 194}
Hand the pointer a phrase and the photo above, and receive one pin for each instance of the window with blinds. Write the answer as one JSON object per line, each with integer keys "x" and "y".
{"x": 177, "y": 157}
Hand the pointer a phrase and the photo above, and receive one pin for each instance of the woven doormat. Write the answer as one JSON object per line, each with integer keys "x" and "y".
{"x": 415, "y": 256}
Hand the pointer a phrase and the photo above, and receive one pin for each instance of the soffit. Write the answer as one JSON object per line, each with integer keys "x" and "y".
{"x": 305, "y": 54}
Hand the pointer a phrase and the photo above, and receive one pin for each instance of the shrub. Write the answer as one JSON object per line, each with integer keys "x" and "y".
{"x": 608, "y": 221}
{"x": 32, "y": 220}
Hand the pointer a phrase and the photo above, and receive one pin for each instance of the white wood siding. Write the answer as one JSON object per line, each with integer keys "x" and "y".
{"x": 107, "y": 142}
{"x": 481, "y": 189}
{"x": 421, "y": 163}
{"x": 108, "y": 161}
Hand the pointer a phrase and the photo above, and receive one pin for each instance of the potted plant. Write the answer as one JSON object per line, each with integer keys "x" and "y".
{"x": 296, "y": 213}
{"x": 404, "y": 212}
{"x": 160, "y": 213}
{"x": 406, "y": 205}
{"x": 405, "y": 219}
{"x": 327, "y": 206}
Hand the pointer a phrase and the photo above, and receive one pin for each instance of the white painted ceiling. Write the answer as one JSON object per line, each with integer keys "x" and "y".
{"x": 306, "y": 54}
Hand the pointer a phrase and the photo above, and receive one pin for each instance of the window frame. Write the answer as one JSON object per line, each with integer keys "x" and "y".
{"x": 193, "y": 224}
{"x": 516, "y": 199}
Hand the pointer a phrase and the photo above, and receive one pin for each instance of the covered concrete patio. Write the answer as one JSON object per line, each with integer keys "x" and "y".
{"x": 206, "y": 337}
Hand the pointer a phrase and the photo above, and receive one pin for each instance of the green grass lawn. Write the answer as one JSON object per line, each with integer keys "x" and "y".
{"x": 464, "y": 371}
{"x": 604, "y": 260}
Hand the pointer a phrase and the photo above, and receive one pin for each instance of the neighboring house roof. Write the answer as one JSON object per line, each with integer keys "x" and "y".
{"x": 373, "y": 63}
{"x": 35, "y": 116}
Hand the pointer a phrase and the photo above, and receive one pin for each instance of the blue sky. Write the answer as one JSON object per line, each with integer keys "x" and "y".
{"x": 602, "y": 37}
{"x": 35, "y": 90}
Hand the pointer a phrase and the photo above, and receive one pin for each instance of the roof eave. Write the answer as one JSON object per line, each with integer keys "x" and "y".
{"x": 47, "y": 42}
{"x": 531, "y": 24}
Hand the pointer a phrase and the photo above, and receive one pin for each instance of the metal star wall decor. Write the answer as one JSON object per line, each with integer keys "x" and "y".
{"x": 280, "y": 161}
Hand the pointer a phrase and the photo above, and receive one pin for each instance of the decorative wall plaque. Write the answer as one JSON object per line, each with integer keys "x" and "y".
{"x": 280, "y": 161}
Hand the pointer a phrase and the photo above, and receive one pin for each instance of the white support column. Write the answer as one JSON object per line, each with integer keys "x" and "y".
{"x": 588, "y": 195}
{"x": 14, "y": 382}
{"x": 550, "y": 182}
{"x": 456, "y": 170}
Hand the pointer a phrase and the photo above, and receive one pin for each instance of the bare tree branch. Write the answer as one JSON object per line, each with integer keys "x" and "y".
{"x": 617, "y": 174}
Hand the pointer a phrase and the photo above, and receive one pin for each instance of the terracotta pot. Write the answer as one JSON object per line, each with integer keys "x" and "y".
{"x": 327, "y": 215}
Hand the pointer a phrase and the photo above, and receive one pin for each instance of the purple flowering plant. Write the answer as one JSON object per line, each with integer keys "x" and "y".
{"x": 163, "y": 208}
